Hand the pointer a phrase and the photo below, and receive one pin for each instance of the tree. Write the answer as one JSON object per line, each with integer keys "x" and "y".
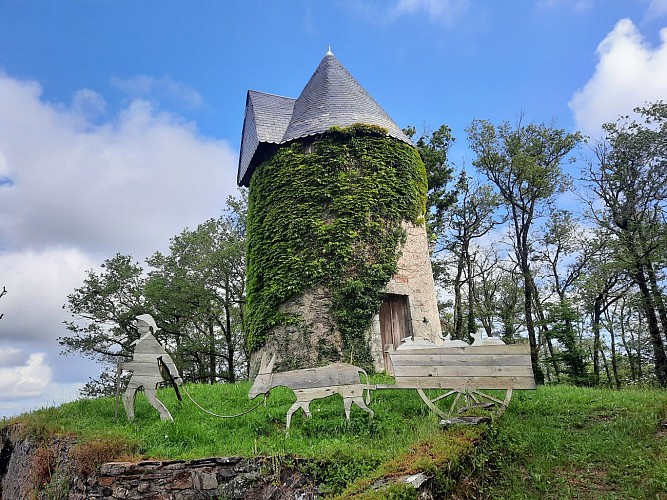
{"x": 195, "y": 293}
{"x": 104, "y": 309}
{"x": 524, "y": 163}
{"x": 565, "y": 251}
{"x": 198, "y": 291}
{"x": 471, "y": 217}
{"x": 433, "y": 148}
{"x": 629, "y": 178}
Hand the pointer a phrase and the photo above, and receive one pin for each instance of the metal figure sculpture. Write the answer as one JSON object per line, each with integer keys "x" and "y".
{"x": 150, "y": 366}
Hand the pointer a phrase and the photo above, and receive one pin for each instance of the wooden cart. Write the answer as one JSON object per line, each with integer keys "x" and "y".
{"x": 448, "y": 378}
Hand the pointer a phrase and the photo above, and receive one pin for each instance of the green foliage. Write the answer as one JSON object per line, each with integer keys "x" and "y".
{"x": 196, "y": 292}
{"x": 104, "y": 309}
{"x": 524, "y": 164}
{"x": 563, "y": 316}
{"x": 433, "y": 148}
{"x": 629, "y": 180}
{"x": 331, "y": 217}
{"x": 338, "y": 452}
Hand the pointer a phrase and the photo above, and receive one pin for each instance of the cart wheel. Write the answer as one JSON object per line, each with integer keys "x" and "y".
{"x": 452, "y": 401}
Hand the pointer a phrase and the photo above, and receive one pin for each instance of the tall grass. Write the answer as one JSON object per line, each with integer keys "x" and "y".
{"x": 567, "y": 442}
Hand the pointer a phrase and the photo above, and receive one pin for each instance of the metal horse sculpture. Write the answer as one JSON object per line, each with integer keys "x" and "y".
{"x": 314, "y": 383}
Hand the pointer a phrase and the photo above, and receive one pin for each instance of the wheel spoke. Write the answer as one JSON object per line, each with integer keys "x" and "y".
{"x": 443, "y": 396}
{"x": 453, "y": 407}
{"x": 490, "y": 398}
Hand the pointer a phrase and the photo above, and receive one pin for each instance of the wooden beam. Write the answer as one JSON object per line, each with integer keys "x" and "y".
{"x": 464, "y": 383}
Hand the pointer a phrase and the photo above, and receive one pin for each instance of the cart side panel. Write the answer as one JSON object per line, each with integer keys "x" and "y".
{"x": 485, "y": 367}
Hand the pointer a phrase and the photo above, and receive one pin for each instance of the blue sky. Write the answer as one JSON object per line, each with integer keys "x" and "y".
{"x": 120, "y": 121}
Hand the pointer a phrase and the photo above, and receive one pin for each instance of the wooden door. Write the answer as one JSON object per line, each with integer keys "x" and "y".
{"x": 394, "y": 324}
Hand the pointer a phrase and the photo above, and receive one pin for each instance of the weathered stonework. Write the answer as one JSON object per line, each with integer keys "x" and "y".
{"x": 313, "y": 341}
{"x": 23, "y": 476}
{"x": 27, "y": 465}
{"x": 230, "y": 477}
{"x": 30, "y": 468}
{"x": 414, "y": 278}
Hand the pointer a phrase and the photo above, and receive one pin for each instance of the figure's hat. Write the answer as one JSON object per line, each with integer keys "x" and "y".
{"x": 148, "y": 319}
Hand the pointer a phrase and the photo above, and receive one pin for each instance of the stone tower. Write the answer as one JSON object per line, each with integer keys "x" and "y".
{"x": 338, "y": 261}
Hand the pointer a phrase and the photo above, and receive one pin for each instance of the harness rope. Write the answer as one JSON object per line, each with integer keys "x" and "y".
{"x": 215, "y": 414}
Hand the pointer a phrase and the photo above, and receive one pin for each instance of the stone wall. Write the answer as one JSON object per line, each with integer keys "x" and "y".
{"x": 315, "y": 340}
{"x": 229, "y": 478}
{"x": 30, "y": 468}
{"x": 414, "y": 278}
{"x": 45, "y": 469}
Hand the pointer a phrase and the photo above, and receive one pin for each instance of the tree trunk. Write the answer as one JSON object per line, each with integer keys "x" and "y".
{"x": 614, "y": 361}
{"x": 628, "y": 351}
{"x": 230, "y": 345}
{"x": 606, "y": 368}
{"x": 472, "y": 324}
{"x": 539, "y": 311}
{"x": 653, "y": 327}
{"x": 211, "y": 353}
{"x": 458, "y": 301}
{"x": 528, "y": 311}
{"x": 657, "y": 297}
{"x": 597, "y": 314}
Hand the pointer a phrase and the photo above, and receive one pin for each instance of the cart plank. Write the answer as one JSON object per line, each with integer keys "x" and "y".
{"x": 465, "y": 383}
{"x": 449, "y": 370}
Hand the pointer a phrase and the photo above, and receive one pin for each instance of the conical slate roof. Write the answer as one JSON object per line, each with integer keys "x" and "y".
{"x": 332, "y": 97}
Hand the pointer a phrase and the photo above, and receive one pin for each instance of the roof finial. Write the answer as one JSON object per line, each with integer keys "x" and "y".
{"x": 329, "y": 53}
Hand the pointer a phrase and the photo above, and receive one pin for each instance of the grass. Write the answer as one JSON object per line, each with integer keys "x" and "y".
{"x": 556, "y": 442}
{"x": 393, "y": 442}
{"x": 563, "y": 442}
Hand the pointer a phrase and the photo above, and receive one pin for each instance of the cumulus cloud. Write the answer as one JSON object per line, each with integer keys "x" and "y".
{"x": 11, "y": 356}
{"x": 88, "y": 103}
{"x": 128, "y": 184}
{"x": 160, "y": 88}
{"x": 38, "y": 283}
{"x": 27, "y": 380}
{"x": 76, "y": 187}
{"x": 628, "y": 74}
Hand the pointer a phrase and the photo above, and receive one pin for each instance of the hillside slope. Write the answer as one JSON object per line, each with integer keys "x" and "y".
{"x": 556, "y": 442}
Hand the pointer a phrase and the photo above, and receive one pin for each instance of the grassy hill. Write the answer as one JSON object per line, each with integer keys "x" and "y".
{"x": 556, "y": 442}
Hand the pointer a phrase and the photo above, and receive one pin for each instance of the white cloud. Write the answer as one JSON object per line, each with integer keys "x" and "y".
{"x": 88, "y": 103}
{"x": 629, "y": 73}
{"x": 27, "y": 380}
{"x": 128, "y": 184}
{"x": 11, "y": 356}
{"x": 578, "y": 6}
{"x": 160, "y": 88}
{"x": 445, "y": 11}
{"x": 37, "y": 285}
{"x": 76, "y": 187}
